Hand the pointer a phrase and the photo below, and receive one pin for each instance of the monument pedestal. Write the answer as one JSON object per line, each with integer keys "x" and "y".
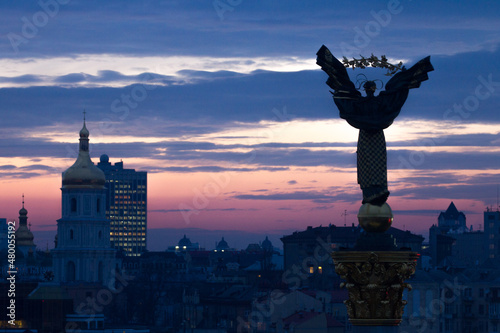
{"x": 375, "y": 272}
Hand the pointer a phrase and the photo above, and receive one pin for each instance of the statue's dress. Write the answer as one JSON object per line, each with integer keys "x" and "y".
{"x": 371, "y": 115}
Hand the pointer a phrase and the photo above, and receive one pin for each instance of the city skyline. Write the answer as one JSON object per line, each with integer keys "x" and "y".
{"x": 227, "y": 111}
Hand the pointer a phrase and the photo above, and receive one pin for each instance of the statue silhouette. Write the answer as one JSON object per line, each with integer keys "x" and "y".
{"x": 371, "y": 115}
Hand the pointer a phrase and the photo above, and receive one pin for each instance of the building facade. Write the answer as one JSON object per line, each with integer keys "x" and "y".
{"x": 126, "y": 206}
{"x": 453, "y": 244}
{"x": 492, "y": 233}
{"x": 83, "y": 252}
{"x": 452, "y": 219}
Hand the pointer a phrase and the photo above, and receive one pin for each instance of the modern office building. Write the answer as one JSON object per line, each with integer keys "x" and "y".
{"x": 492, "y": 233}
{"x": 126, "y": 206}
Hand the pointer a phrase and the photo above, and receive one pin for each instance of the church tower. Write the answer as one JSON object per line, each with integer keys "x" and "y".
{"x": 83, "y": 252}
{"x": 24, "y": 237}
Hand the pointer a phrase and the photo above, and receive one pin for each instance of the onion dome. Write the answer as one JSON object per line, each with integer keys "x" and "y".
{"x": 23, "y": 211}
{"x": 84, "y": 132}
{"x": 83, "y": 173}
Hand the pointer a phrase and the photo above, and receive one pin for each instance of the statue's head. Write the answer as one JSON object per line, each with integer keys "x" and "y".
{"x": 370, "y": 87}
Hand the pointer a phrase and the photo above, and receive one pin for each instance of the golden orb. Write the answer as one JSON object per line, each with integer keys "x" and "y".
{"x": 373, "y": 218}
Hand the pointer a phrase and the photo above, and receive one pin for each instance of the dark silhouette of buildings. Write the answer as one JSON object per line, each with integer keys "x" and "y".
{"x": 312, "y": 246}
{"x": 452, "y": 243}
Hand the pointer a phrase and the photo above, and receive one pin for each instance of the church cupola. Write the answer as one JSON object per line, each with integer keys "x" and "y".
{"x": 83, "y": 173}
{"x": 24, "y": 237}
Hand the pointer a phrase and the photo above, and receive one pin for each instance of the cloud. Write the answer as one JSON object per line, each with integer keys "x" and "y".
{"x": 202, "y": 210}
{"x": 184, "y": 28}
{"x": 325, "y": 207}
{"x": 424, "y": 177}
{"x": 25, "y": 172}
{"x": 208, "y": 168}
{"x": 482, "y": 192}
{"x": 426, "y": 160}
{"x": 72, "y": 78}
{"x": 313, "y": 196}
{"x": 21, "y": 175}
{"x": 418, "y": 212}
{"x": 463, "y": 140}
{"x": 103, "y": 78}
{"x": 262, "y": 157}
{"x": 249, "y": 98}
{"x": 39, "y": 167}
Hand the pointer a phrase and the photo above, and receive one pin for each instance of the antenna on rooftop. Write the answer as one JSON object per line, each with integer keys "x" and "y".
{"x": 344, "y": 214}
{"x": 498, "y": 206}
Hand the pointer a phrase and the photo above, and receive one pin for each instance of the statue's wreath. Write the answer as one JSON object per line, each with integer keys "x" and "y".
{"x": 373, "y": 61}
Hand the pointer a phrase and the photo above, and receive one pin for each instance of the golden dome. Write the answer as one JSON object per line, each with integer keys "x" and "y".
{"x": 83, "y": 173}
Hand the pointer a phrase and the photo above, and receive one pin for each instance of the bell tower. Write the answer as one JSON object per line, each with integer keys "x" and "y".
{"x": 83, "y": 251}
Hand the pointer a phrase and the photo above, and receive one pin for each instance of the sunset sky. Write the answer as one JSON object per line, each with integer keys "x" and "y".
{"x": 223, "y": 104}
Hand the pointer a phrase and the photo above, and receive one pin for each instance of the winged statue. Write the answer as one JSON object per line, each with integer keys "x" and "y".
{"x": 371, "y": 115}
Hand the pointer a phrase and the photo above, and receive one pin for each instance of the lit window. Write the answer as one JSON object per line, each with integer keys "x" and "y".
{"x": 311, "y": 270}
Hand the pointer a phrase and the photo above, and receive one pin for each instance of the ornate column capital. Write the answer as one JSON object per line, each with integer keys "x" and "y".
{"x": 375, "y": 282}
